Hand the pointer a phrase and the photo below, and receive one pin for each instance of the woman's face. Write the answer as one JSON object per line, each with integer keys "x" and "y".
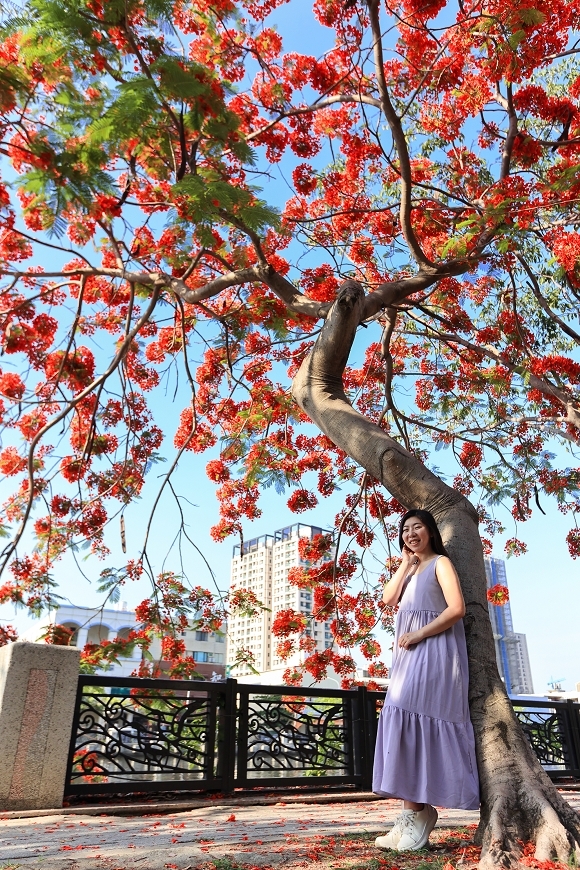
{"x": 416, "y": 536}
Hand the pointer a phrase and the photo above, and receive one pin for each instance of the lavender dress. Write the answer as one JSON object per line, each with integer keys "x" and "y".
{"x": 425, "y": 749}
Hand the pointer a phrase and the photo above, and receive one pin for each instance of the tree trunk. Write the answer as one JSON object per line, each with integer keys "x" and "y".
{"x": 519, "y": 803}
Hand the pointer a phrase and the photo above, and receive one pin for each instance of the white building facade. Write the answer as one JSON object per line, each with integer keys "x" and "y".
{"x": 511, "y": 648}
{"x": 93, "y": 625}
{"x": 262, "y": 565}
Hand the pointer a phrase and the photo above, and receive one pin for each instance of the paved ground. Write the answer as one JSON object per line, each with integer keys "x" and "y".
{"x": 276, "y": 834}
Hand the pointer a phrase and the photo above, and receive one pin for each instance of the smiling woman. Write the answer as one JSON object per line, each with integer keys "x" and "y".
{"x": 425, "y": 752}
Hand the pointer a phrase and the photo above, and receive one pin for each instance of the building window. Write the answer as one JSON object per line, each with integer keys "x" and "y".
{"x": 207, "y": 657}
{"x": 97, "y": 633}
{"x": 201, "y": 635}
{"x": 72, "y": 626}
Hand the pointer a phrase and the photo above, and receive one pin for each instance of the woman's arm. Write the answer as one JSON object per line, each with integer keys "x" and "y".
{"x": 393, "y": 589}
{"x": 455, "y": 610}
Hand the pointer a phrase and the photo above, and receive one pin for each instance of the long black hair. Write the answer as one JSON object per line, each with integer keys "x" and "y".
{"x": 428, "y": 520}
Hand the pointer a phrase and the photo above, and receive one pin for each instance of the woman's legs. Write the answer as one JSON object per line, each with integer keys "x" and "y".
{"x": 411, "y": 805}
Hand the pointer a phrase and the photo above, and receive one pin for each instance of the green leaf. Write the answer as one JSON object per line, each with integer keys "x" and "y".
{"x": 133, "y": 108}
{"x": 515, "y": 38}
{"x": 531, "y": 16}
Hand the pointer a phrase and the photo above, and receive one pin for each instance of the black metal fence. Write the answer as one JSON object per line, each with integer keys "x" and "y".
{"x": 132, "y": 734}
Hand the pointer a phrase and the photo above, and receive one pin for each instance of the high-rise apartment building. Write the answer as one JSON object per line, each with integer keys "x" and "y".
{"x": 511, "y": 648}
{"x": 262, "y": 565}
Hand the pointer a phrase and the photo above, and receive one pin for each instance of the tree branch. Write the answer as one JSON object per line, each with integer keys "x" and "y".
{"x": 394, "y": 123}
{"x": 508, "y": 147}
{"x": 319, "y": 391}
{"x": 314, "y": 107}
{"x": 394, "y": 292}
{"x": 535, "y": 287}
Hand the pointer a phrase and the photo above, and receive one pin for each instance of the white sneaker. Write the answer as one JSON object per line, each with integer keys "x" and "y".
{"x": 390, "y": 840}
{"x": 416, "y": 829}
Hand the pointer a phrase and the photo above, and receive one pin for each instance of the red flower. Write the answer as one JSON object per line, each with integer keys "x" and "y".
{"x": 172, "y": 648}
{"x": 324, "y": 602}
{"x": 284, "y": 649}
{"x": 343, "y": 664}
{"x": 31, "y": 424}
{"x": 315, "y": 548}
{"x": 498, "y": 594}
{"x": 573, "y": 541}
{"x": 370, "y": 648}
{"x": 304, "y": 178}
{"x": 77, "y": 369}
{"x": 378, "y": 669}
{"x": 245, "y": 603}
{"x": 471, "y": 455}
{"x": 58, "y": 635}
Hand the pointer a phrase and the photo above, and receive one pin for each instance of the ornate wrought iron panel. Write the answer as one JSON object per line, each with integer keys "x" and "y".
{"x": 546, "y": 730}
{"x": 152, "y": 736}
{"x": 309, "y": 736}
{"x": 285, "y": 737}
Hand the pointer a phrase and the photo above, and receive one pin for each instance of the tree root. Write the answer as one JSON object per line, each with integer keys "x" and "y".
{"x": 533, "y": 814}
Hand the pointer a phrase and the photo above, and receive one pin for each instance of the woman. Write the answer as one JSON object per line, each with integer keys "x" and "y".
{"x": 425, "y": 751}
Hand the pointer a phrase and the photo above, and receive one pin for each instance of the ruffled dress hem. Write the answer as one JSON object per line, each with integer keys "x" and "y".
{"x": 409, "y": 758}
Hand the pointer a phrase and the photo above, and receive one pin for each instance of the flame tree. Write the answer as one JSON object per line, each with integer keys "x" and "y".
{"x": 432, "y": 159}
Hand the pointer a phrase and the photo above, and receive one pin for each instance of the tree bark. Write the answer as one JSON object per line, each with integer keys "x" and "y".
{"x": 519, "y": 803}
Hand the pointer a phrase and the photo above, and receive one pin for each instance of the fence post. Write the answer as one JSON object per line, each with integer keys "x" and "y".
{"x": 229, "y": 740}
{"x": 574, "y": 733}
{"x": 38, "y": 684}
{"x": 364, "y": 739}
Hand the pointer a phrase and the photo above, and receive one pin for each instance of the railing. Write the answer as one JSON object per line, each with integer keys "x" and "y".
{"x": 553, "y": 729}
{"x": 132, "y": 734}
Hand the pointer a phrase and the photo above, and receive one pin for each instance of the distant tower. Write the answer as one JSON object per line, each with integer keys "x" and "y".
{"x": 511, "y": 648}
{"x": 262, "y": 565}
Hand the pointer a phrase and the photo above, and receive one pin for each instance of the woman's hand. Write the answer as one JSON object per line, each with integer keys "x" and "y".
{"x": 393, "y": 588}
{"x": 409, "y": 639}
{"x": 408, "y": 558}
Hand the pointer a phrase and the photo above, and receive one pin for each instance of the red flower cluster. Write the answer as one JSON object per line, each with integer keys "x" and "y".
{"x": 314, "y": 549}
{"x": 11, "y": 462}
{"x": 12, "y": 386}
{"x": 59, "y": 635}
{"x": 8, "y": 634}
{"x": 471, "y": 455}
{"x": 301, "y": 501}
{"x": 245, "y": 602}
{"x": 288, "y": 622}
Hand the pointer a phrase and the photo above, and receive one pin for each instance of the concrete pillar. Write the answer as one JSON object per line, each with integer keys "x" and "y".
{"x": 38, "y": 684}
{"x": 82, "y": 638}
